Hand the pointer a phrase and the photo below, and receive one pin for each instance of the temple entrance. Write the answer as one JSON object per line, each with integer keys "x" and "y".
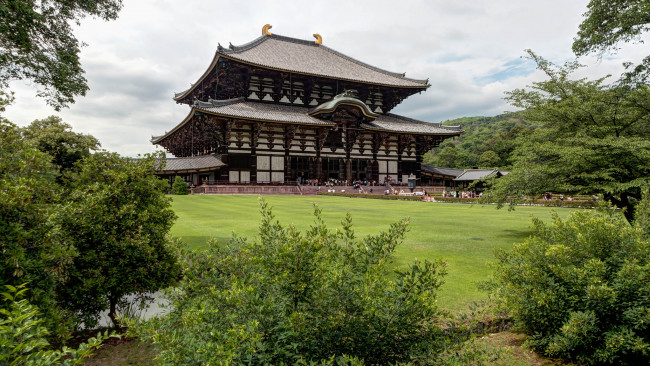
{"x": 331, "y": 168}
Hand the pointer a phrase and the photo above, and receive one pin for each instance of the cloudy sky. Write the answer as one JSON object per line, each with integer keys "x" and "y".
{"x": 471, "y": 52}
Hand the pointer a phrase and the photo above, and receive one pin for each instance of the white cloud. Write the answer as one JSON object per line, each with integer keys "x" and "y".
{"x": 469, "y": 51}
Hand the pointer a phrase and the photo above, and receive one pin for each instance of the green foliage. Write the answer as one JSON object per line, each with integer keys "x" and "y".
{"x": 117, "y": 217}
{"x": 296, "y": 298}
{"x": 37, "y": 44}
{"x": 27, "y": 252}
{"x": 486, "y": 142}
{"x": 6, "y": 99}
{"x": 581, "y": 288}
{"x": 23, "y": 340}
{"x": 56, "y": 138}
{"x": 594, "y": 138}
{"x": 610, "y": 22}
{"x": 179, "y": 186}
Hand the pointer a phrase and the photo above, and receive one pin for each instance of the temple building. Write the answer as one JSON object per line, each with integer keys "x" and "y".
{"x": 281, "y": 109}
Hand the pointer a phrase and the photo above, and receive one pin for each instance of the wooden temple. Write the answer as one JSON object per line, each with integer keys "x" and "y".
{"x": 281, "y": 109}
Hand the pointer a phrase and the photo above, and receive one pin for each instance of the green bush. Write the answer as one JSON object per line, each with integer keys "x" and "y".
{"x": 373, "y": 196}
{"x": 292, "y": 298}
{"x": 23, "y": 338}
{"x": 179, "y": 186}
{"x": 581, "y": 288}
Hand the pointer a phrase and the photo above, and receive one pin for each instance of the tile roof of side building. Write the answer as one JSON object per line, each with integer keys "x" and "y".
{"x": 443, "y": 171}
{"x": 476, "y": 174}
{"x": 193, "y": 163}
{"x": 306, "y": 57}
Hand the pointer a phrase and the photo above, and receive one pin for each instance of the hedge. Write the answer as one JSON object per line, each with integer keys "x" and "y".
{"x": 528, "y": 202}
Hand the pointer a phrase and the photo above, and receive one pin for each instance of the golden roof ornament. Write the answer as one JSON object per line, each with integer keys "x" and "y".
{"x": 265, "y": 29}
{"x": 319, "y": 39}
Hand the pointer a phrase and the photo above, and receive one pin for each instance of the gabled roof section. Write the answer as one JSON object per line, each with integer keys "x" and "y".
{"x": 442, "y": 171}
{"x": 306, "y": 57}
{"x": 395, "y": 123}
{"x": 476, "y": 174}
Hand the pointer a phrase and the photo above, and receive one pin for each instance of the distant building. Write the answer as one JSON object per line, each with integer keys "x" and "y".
{"x": 281, "y": 109}
{"x": 454, "y": 179}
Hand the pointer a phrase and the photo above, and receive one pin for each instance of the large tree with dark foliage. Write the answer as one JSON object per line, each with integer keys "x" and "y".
{"x": 594, "y": 138}
{"x": 608, "y": 23}
{"x": 56, "y": 138}
{"x": 37, "y": 44}
{"x": 117, "y": 217}
{"x": 28, "y": 253}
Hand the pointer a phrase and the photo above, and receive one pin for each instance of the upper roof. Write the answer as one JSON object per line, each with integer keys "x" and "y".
{"x": 306, "y": 57}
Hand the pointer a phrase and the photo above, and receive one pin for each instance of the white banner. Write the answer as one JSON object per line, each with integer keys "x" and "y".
{"x": 382, "y": 166}
{"x": 277, "y": 177}
{"x": 234, "y": 176}
{"x": 277, "y": 163}
{"x": 392, "y": 167}
{"x": 263, "y": 163}
{"x": 263, "y": 177}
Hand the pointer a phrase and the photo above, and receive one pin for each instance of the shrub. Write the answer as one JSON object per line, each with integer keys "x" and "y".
{"x": 23, "y": 337}
{"x": 581, "y": 288}
{"x": 179, "y": 186}
{"x": 323, "y": 296}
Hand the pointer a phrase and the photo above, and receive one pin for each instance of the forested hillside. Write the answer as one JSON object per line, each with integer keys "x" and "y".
{"x": 486, "y": 143}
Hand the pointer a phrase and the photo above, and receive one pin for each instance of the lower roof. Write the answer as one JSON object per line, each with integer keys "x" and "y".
{"x": 241, "y": 108}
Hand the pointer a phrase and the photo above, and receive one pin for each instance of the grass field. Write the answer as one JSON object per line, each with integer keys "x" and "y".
{"x": 463, "y": 235}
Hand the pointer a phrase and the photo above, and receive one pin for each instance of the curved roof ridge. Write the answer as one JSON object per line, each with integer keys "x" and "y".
{"x": 243, "y": 47}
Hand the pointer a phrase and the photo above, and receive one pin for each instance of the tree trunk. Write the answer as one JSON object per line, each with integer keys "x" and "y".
{"x": 112, "y": 311}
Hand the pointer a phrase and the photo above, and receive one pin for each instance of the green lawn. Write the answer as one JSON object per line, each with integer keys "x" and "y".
{"x": 463, "y": 235}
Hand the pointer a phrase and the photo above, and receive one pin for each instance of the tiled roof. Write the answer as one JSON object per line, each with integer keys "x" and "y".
{"x": 241, "y": 108}
{"x": 193, "y": 163}
{"x": 306, "y": 57}
{"x": 443, "y": 171}
{"x": 394, "y": 123}
{"x": 476, "y": 174}
{"x": 267, "y": 112}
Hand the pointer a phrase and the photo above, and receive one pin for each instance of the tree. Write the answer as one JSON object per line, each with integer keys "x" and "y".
{"x": 179, "y": 186}
{"x": 37, "y": 44}
{"x": 294, "y": 298}
{"x": 489, "y": 159}
{"x": 117, "y": 217}
{"x": 609, "y": 22}
{"x": 594, "y": 139}
{"x": 580, "y": 287}
{"x": 28, "y": 253}
{"x": 56, "y": 138}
